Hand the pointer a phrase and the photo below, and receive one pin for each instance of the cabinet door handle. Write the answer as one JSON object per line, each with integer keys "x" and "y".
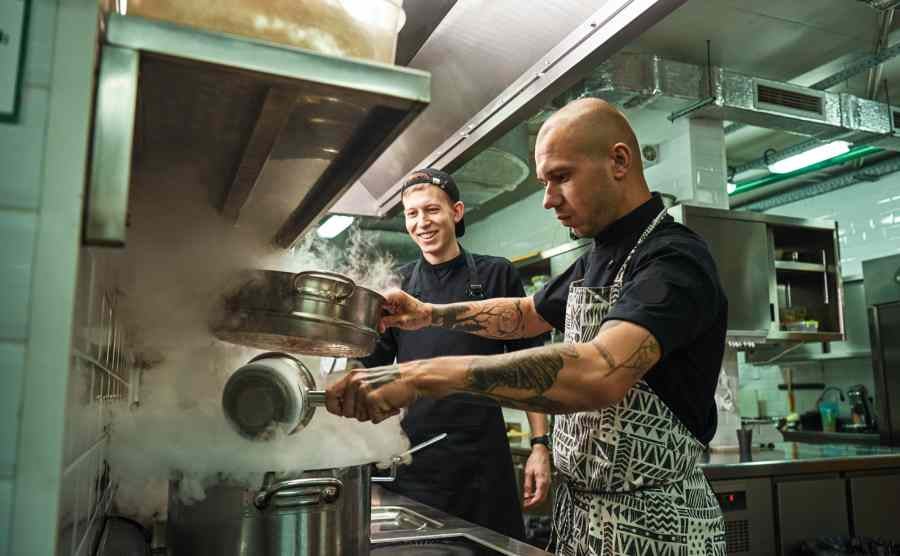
{"x": 772, "y": 311}
{"x": 825, "y": 275}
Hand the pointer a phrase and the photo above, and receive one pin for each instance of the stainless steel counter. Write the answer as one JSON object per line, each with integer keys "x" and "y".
{"x": 438, "y": 525}
{"x": 792, "y": 458}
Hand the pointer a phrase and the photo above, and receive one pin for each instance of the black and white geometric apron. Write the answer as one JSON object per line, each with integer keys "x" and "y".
{"x": 630, "y": 483}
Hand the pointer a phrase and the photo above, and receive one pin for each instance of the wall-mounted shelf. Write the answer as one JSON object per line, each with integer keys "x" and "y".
{"x": 802, "y": 267}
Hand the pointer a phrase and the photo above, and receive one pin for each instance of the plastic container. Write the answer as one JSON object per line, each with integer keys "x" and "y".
{"x": 829, "y": 413}
{"x": 365, "y": 29}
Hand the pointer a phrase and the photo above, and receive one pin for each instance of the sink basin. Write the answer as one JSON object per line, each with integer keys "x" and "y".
{"x": 397, "y": 518}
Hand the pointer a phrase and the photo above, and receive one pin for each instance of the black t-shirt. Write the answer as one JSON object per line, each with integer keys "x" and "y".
{"x": 671, "y": 287}
{"x": 448, "y": 283}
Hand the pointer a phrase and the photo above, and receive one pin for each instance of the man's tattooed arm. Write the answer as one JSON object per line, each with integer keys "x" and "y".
{"x": 564, "y": 378}
{"x": 560, "y": 378}
{"x": 501, "y": 318}
{"x": 525, "y": 372}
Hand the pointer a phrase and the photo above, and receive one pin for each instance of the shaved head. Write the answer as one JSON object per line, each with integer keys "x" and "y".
{"x": 592, "y": 126}
{"x": 589, "y": 161}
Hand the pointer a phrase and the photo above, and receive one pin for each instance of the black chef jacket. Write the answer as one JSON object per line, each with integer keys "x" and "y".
{"x": 671, "y": 287}
{"x": 469, "y": 473}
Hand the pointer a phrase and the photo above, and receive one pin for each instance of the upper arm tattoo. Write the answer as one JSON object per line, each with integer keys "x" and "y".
{"x": 639, "y": 362}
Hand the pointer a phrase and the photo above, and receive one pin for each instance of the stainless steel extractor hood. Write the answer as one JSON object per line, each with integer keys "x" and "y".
{"x": 247, "y": 119}
{"x": 494, "y": 64}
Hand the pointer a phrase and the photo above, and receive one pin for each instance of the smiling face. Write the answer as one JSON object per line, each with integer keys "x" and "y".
{"x": 431, "y": 220}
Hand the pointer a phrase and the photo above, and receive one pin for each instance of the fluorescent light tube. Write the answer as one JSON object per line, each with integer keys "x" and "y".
{"x": 810, "y": 157}
{"x": 332, "y": 227}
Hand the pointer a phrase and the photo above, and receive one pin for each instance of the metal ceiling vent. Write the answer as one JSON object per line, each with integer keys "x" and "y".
{"x": 778, "y": 97}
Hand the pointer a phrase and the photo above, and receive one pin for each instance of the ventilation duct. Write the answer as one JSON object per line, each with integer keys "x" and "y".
{"x": 644, "y": 79}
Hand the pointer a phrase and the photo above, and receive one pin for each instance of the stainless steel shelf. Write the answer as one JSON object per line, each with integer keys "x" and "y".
{"x": 794, "y": 336}
{"x": 216, "y": 108}
{"x": 801, "y": 267}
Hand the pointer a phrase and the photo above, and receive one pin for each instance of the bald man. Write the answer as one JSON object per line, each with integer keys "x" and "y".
{"x": 644, "y": 317}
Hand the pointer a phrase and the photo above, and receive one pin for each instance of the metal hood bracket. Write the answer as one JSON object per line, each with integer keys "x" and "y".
{"x": 217, "y": 109}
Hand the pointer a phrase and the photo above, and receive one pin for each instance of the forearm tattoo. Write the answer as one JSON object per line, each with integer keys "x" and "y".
{"x": 531, "y": 372}
{"x": 494, "y": 319}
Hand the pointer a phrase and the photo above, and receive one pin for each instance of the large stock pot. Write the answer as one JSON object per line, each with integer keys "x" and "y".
{"x": 322, "y": 513}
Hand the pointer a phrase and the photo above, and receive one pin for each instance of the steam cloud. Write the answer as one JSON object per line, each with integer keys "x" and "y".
{"x": 182, "y": 256}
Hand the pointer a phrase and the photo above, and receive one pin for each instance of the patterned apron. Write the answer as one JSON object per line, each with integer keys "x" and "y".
{"x": 630, "y": 483}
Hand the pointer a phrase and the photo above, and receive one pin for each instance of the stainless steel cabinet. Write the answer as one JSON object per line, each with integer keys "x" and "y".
{"x": 875, "y": 500}
{"x": 742, "y": 256}
{"x": 809, "y": 509}
{"x": 779, "y": 273}
{"x": 749, "y": 519}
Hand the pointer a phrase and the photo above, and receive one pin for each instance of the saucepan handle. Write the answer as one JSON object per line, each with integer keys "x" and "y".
{"x": 299, "y": 492}
{"x": 345, "y": 288}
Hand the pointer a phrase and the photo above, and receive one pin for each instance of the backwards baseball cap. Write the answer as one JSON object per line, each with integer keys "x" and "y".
{"x": 440, "y": 179}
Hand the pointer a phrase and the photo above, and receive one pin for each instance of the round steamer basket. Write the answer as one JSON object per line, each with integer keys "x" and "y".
{"x": 310, "y": 313}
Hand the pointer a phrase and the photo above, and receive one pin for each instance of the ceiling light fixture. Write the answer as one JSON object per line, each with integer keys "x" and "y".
{"x": 332, "y": 227}
{"x": 810, "y": 157}
{"x": 730, "y": 187}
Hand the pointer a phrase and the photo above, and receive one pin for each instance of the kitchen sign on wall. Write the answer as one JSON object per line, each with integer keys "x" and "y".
{"x": 13, "y": 22}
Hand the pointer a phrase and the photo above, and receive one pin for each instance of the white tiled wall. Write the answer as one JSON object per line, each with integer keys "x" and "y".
{"x": 99, "y": 376}
{"x": 6, "y": 486}
{"x": 12, "y": 363}
{"x": 16, "y": 252}
{"x": 21, "y": 155}
{"x": 42, "y": 163}
{"x": 516, "y": 230}
{"x": 868, "y": 216}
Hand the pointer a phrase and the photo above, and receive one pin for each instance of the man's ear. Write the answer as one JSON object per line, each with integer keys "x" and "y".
{"x": 622, "y": 158}
{"x": 459, "y": 209}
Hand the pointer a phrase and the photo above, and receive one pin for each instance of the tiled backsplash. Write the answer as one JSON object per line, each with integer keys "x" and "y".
{"x": 868, "y": 216}
{"x": 100, "y": 375}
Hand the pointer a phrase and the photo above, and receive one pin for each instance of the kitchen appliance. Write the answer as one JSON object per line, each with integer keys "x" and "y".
{"x": 861, "y": 408}
{"x": 323, "y": 512}
{"x": 273, "y": 391}
{"x": 313, "y": 313}
{"x": 881, "y": 278}
{"x": 748, "y": 511}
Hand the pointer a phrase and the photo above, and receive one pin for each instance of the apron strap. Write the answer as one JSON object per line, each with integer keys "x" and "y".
{"x": 475, "y": 288}
{"x": 412, "y": 285}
